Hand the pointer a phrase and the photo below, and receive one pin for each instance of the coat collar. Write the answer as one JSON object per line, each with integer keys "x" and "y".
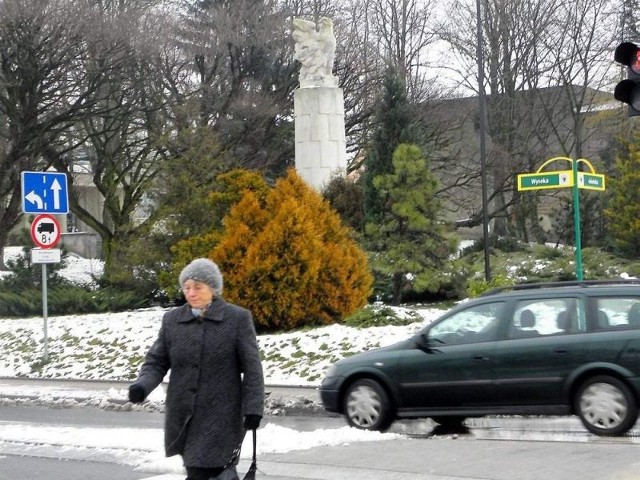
{"x": 215, "y": 311}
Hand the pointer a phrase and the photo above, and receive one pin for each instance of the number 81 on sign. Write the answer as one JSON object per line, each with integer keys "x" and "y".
{"x": 45, "y": 231}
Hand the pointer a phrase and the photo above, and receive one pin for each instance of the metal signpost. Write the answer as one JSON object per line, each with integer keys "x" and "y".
{"x": 561, "y": 179}
{"x": 45, "y": 193}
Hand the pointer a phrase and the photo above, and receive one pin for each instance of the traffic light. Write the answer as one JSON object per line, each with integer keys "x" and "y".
{"x": 628, "y": 90}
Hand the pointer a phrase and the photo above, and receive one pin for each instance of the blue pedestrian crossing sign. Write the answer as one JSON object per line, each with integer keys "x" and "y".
{"x": 44, "y": 192}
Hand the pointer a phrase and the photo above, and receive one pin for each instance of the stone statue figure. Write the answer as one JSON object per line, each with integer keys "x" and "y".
{"x": 315, "y": 49}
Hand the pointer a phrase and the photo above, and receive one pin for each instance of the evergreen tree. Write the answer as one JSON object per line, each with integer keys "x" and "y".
{"x": 394, "y": 126}
{"x": 624, "y": 207}
{"x": 592, "y": 221}
{"x": 410, "y": 245}
{"x": 345, "y": 196}
{"x": 178, "y": 206}
{"x": 290, "y": 260}
{"x": 245, "y": 71}
{"x": 223, "y": 194}
{"x": 181, "y": 194}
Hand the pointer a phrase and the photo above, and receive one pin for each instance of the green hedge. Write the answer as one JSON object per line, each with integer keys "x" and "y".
{"x": 68, "y": 300}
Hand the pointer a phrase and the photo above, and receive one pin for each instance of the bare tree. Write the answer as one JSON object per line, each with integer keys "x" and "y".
{"x": 579, "y": 42}
{"x": 120, "y": 134}
{"x": 630, "y": 21}
{"x": 360, "y": 74}
{"x": 44, "y": 88}
{"x": 529, "y": 100}
{"x": 404, "y": 31}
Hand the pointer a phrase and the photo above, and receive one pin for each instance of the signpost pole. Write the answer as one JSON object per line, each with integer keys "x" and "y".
{"x": 576, "y": 221}
{"x": 45, "y": 312}
{"x": 45, "y": 233}
{"x": 45, "y": 193}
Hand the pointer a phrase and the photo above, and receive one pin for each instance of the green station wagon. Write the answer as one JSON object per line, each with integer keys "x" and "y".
{"x": 544, "y": 349}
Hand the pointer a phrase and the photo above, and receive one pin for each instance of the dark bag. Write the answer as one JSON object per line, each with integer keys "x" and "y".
{"x": 230, "y": 472}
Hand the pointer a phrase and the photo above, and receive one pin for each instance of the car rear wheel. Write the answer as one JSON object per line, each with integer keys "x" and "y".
{"x": 606, "y": 406}
{"x": 367, "y": 406}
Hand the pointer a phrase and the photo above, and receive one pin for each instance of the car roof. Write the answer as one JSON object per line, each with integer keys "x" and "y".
{"x": 584, "y": 287}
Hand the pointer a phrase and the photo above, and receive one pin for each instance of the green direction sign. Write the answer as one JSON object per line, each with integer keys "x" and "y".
{"x": 540, "y": 181}
{"x": 591, "y": 181}
{"x": 561, "y": 179}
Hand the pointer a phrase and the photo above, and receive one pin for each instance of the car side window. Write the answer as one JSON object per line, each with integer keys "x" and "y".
{"x": 615, "y": 313}
{"x": 478, "y": 323}
{"x": 550, "y": 316}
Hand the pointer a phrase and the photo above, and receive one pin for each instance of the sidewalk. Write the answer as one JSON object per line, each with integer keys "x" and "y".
{"x": 450, "y": 459}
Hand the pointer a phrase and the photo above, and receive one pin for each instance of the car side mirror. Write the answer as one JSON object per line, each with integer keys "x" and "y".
{"x": 423, "y": 343}
{"x": 426, "y": 344}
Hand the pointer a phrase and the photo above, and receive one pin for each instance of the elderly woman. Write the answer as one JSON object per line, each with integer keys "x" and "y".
{"x": 216, "y": 386}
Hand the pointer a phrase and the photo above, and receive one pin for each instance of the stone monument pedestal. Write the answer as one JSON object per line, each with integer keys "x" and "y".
{"x": 320, "y": 149}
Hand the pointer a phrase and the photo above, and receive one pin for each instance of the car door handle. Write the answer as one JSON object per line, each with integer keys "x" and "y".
{"x": 561, "y": 350}
{"x": 480, "y": 358}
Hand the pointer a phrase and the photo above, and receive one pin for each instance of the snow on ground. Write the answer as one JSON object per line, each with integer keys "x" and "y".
{"x": 110, "y": 346}
{"x": 142, "y": 447}
{"x": 82, "y": 271}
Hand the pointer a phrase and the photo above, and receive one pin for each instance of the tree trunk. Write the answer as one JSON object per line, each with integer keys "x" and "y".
{"x": 398, "y": 284}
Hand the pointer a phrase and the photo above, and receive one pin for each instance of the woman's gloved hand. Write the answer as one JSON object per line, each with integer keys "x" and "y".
{"x": 136, "y": 393}
{"x": 252, "y": 422}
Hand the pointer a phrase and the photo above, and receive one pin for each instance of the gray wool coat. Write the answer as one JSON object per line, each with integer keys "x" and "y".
{"x": 215, "y": 379}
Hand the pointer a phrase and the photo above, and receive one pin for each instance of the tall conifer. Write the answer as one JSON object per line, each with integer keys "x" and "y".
{"x": 394, "y": 126}
{"x": 410, "y": 244}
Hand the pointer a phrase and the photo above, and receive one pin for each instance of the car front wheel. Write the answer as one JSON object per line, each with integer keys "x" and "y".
{"x": 606, "y": 406}
{"x": 367, "y": 406}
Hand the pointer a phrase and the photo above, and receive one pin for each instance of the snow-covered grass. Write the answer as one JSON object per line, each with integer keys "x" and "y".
{"x": 110, "y": 346}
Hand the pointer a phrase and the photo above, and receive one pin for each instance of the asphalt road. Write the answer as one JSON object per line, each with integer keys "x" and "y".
{"x": 490, "y": 449}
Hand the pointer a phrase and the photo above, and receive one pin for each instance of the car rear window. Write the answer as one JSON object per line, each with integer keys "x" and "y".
{"x": 615, "y": 313}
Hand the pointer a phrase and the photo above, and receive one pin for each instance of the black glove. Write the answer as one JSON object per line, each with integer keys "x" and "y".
{"x": 252, "y": 422}
{"x": 136, "y": 393}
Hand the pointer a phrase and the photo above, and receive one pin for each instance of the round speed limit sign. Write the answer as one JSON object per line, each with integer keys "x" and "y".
{"x": 45, "y": 231}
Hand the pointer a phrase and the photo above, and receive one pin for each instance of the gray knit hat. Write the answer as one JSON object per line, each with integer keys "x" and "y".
{"x": 202, "y": 270}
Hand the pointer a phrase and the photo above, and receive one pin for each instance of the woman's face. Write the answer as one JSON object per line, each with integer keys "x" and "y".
{"x": 197, "y": 294}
